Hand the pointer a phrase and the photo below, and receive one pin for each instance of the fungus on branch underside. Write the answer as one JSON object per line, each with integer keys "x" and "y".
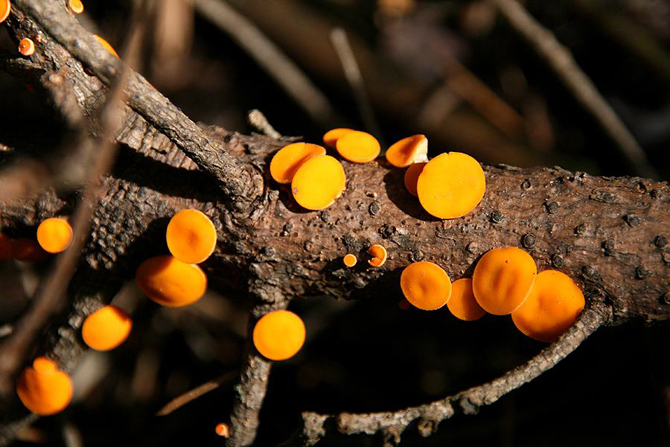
{"x": 106, "y": 45}
{"x": 279, "y": 335}
{"x": 76, "y": 6}
{"x": 288, "y": 159}
{"x": 170, "y": 282}
{"x": 425, "y": 285}
{"x": 54, "y": 235}
{"x": 26, "y": 47}
{"x": 358, "y": 147}
{"x": 502, "y": 280}
{"x": 349, "y": 260}
{"x": 43, "y": 388}
{"x": 553, "y": 305}
{"x": 318, "y": 182}
{"x": 378, "y": 254}
{"x": 106, "y": 328}
{"x": 5, "y": 9}
{"x": 191, "y": 236}
{"x": 462, "y": 303}
{"x": 407, "y": 151}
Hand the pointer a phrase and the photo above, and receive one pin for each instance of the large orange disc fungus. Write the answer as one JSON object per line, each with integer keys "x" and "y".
{"x": 331, "y": 137}
{"x": 552, "y": 306}
{"x": 76, "y": 6}
{"x": 407, "y": 151}
{"x": 279, "y": 335}
{"x": 349, "y": 260}
{"x": 54, "y": 235}
{"x": 110, "y": 49}
{"x": 43, "y": 388}
{"x": 106, "y": 328}
{"x": 318, "y": 182}
{"x": 503, "y": 279}
{"x": 170, "y": 282}
{"x": 425, "y": 285}
{"x": 378, "y": 253}
{"x": 5, "y": 9}
{"x": 462, "y": 303}
{"x": 451, "y": 185}
{"x": 191, "y": 236}
{"x": 26, "y": 47}
{"x": 359, "y": 147}
{"x": 5, "y": 247}
{"x": 288, "y": 159}
{"x": 412, "y": 177}
{"x": 28, "y": 250}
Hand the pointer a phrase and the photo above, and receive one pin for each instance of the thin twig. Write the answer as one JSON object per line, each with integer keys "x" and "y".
{"x": 392, "y": 424}
{"x": 268, "y": 55}
{"x": 559, "y": 58}
{"x": 195, "y": 393}
{"x": 353, "y": 75}
{"x": 258, "y": 121}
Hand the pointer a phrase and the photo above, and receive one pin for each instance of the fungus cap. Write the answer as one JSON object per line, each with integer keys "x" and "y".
{"x": 462, "y": 303}
{"x": 412, "y": 177}
{"x": 5, "y": 9}
{"x": 191, "y": 236}
{"x": 29, "y": 250}
{"x": 106, "y": 328}
{"x": 288, "y": 159}
{"x": 379, "y": 255}
{"x": 425, "y": 285}
{"x": 26, "y": 47}
{"x": 451, "y": 185}
{"x": 170, "y": 282}
{"x": 54, "y": 235}
{"x": 5, "y": 247}
{"x": 76, "y": 6}
{"x": 407, "y": 151}
{"x": 43, "y": 388}
{"x": 222, "y": 430}
{"x": 358, "y": 147}
{"x": 106, "y": 45}
{"x": 279, "y": 335}
{"x": 318, "y": 182}
{"x": 331, "y": 137}
{"x": 349, "y": 260}
{"x": 503, "y": 279}
{"x": 552, "y": 306}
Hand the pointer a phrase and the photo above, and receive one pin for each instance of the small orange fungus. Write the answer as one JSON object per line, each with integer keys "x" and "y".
{"x": 331, "y": 137}
{"x": 5, "y": 9}
{"x": 349, "y": 260}
{"x": 451, "y": 185}
{"x": 463, "y": 304}
{"x": 54, "y": 235}
{"x": 76, "y": 6}
{"x": 43, "y": 388}
{"x": 279, "y": 335}
{"x": 5, "y": 247}
{"x": 24, "y": 249}
{"x": 552, "y": 306}
{"x": 170, "y": 282}
{"x": 425, "y": 285}
{"x": 412, "y": 177}
{"x": 26, "y": 47}
{"x": 318, "y": 182}
{"x": 378, "y": 255}
{"x": 407, "y": 151}
{"x": 503, "y": 279}
{"x": 222, "y": 430}
{"x": 359, "y": 147}
{"x": 191, "y": 236}
{"x": 288, "y": 159}
{"x": 107, "y": 46}
{"x": 106, "y": 328}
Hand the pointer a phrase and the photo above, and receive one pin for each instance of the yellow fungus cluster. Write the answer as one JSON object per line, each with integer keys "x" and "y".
{"x": 505, "y": 282}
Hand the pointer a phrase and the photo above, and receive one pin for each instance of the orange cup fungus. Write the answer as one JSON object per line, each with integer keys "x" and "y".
{"x": 462, "y": 303}
{"x": 378, "y": 254}
{"x": 5, "y": 247}
{"x": 191, "y": 236}
{"x": 26, "y": 47}
{"x": 222, "y": 430}
{"x": 503, "y": 279}
{"x": 170, "y": 282}
{"x": 28, "y": 250}
{"x": 331, "y": 137}
{"x": 106, "y": 328}
{"x": 279, "y": 335}
{"x": 288, "y": 159}
{"x": 5, "y": 9}
{"x": 358, "y": 147}
{"x": 425, "y": 285}
{"x": 552, "y": 306}
{"x": 451, "y": 185}
{"x": 43, "y": 388}
{"x": 412, "y": 177}
{"x": 76, "y": 6}
{"x": 110, "y": 49}
{"x": 54, "y": 235}
{"x": 318, "y": 182}
{"x": 407, "y": 151}
{"x": 349, "y": 260}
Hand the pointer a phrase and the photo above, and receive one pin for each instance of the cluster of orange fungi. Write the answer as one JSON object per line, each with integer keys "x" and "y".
{"x": 378, "y": 256}
{"x": 54, "y": 235}
{"x": 505, "y": 281}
